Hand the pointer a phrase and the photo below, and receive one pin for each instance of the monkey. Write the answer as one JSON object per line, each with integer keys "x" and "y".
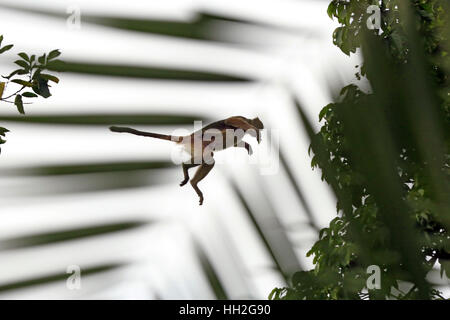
{"x": 202, "y": 144}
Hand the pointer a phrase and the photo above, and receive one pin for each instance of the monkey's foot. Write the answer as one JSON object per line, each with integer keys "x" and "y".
{"x": 201, "y": 201}
{"x": 184, "y": 182}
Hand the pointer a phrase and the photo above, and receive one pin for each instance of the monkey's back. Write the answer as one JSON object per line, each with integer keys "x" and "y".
{"x": 218, "y": 125}
{"x": 221, "y": 125}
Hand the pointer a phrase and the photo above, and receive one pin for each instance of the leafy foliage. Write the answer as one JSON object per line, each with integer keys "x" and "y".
{"x": 29, "y": 76}
{"x": 386, "y": 155}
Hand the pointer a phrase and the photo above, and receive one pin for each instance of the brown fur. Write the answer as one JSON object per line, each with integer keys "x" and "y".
{"x": 232, "y": 123}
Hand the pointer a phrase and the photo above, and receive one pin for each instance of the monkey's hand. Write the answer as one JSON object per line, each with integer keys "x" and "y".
{"x": 258, "y": 136}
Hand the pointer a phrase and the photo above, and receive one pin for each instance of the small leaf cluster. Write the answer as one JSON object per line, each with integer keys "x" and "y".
{"x": 30, "y": 80}
{"x": 352, "y": 16}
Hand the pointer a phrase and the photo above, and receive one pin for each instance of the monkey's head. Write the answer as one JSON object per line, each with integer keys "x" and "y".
{"x": 257, "y": 123}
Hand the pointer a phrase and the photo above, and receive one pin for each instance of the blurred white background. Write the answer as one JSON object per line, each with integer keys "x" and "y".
{"x": 179, "y": 250}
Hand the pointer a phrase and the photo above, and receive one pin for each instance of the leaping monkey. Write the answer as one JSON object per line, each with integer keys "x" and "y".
{"x": 202, "y": 143}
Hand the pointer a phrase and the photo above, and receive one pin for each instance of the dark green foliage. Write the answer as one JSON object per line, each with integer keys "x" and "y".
{"x": 51, "y": 238}
{"x": 3, "y": 132}
{"x": 201, "y": 27}
{"x": 155, "y": 119}
{"x": 28, "y": 76}
{"x": 210, "y": 272}
{"x": 77, "y": 168}
{"x": 54, "y": 278}
{"x": 142, "y": 72}
{"x": 386, "y": 155}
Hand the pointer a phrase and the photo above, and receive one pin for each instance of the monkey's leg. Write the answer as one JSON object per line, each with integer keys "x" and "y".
{"x": 199, "y": 175}
{"x": 246, "y": 146}
{"x": 186, "y": 167}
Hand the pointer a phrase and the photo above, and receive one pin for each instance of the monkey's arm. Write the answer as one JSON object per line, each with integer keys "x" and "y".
{"x": 240, "y": 123}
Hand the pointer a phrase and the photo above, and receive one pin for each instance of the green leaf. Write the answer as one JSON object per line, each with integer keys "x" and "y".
{"x": 49, "y": 77}
{"x": 22, "y": 64}
{"x": 29, "y": 95}
{"x": 337, "y": 36}
{"x": 22, "y": 72}
{"x": 19, "y": 104}
{"x": 42, "y": 59}
{"x": 6, "y": 48}
{"x": 331, "y": 9}
{"x": 3, "y": 131}
{"x": 2, "y": 88}
{"x": 274, "y": 294}
{"x": 36, "y": 74}
{"x": 54, "y": 54}
{"x": 24, "y": 56}
{"x": 22, "y": 82}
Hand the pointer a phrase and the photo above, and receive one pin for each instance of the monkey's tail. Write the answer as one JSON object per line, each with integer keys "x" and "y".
{"x": 146, "y": 134}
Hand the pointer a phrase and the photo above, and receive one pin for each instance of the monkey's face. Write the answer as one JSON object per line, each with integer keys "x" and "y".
{"x": 258, "y": 124}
